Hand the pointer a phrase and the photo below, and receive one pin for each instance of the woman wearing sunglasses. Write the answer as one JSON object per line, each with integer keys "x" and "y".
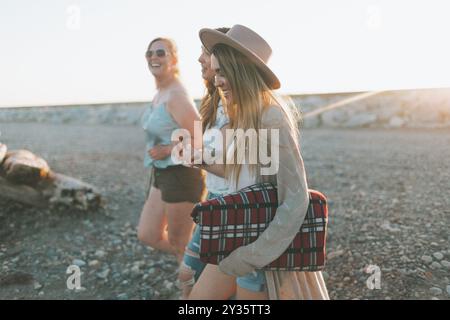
{"x": 165, "y": 221}
{"x": 239, "y": 59}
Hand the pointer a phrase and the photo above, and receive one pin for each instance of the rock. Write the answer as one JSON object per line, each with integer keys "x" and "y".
{"x": 117, "y": 241}
{"x": 438, "y": 255}
{"x": 435, "y": 265}
{"x": 445, "y": 264}
{"x": 100, "y": 253}
{"x": 37, "y": 286}
{"x": 434, "y": 244}
{"x": 427, "y": 259}
{"x": 386, "y": 225}
{"x": 168, "y": 285}
{"x": 122, "y": 296}
{"x": 335, "y": 254}
{"x": 94, "y": 263}
{"x": 434, "y": 298}
{"x": 78, "y": 262}
{"x": 404, "y": 259}
{"x": 104, "y": 274}
{"x": 448, "y": 289}
{"x": 436, "y": 291}
{"x": 135, "y": 270}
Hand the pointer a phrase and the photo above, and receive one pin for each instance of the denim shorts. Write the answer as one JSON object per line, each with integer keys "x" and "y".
{"x": 254, "y": 281}
{"x": 192, "y": 258}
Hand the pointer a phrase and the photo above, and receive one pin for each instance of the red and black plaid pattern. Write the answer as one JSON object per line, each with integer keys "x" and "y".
{"x": 237, "y": 219}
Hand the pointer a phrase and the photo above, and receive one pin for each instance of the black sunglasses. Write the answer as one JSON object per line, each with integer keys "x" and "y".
{"x": 160, "y": 53}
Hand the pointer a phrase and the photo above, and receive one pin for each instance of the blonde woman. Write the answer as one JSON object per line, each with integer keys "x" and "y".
{"x": 239, "y": 59}
{"x": 165, "y": 221}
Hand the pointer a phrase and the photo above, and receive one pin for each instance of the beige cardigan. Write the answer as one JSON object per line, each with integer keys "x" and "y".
{"x": 293, "y": 203}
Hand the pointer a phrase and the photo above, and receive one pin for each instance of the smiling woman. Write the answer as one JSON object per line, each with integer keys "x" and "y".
{"x": 158, "y": 50}
{"x": 165, "y": 222}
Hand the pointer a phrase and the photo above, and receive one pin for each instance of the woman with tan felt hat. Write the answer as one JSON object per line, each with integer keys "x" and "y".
{"x": 246, "y": 83}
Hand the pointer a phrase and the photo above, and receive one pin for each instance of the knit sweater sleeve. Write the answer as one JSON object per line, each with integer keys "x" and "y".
{"x": 293, "y": 203}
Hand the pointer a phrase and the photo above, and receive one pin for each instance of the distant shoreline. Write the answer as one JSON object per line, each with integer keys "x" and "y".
{"x": 294, "y": 96}
{"x": 425, "y": 108}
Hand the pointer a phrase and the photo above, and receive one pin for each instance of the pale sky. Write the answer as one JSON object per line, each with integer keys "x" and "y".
{"x": 84, "y": 51}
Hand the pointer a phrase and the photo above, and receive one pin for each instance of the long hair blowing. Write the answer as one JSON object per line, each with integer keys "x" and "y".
{"x": 251, "y": 96}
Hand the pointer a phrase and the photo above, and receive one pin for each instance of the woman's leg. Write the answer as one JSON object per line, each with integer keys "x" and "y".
{"x": 213, "y": 284}
{"x": 192, "y": 266}
{"x": 180, "y": 226}
{"x": 153, "y": 222}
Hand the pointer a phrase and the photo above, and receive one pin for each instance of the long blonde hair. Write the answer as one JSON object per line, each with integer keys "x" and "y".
{"x": 251, "y": 96}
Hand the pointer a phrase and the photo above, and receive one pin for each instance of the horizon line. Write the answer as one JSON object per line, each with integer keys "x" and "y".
{"x": 102, "y": 102}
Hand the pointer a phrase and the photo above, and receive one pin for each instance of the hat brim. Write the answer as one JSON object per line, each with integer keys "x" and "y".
{"x": 211, "y": 37}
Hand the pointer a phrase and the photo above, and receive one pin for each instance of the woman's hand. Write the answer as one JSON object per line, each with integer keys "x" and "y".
{"x": 191, "y": 159}
{"x": 160, "y": 151}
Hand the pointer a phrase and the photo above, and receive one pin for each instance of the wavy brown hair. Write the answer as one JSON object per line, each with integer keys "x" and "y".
{"x": 210, "y": 101}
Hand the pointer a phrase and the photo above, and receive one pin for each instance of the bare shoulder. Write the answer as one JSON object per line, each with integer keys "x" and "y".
{"x": 179, "y": 99}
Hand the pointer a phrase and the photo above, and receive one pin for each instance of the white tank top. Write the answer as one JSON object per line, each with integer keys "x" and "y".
{"x": 215, "y": 184}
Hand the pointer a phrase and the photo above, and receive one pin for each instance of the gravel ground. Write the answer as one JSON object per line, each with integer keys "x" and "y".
{"x": 389, "y": 206}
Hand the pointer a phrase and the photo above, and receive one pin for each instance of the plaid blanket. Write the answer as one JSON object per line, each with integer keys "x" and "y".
{"x": 237, "y": 219}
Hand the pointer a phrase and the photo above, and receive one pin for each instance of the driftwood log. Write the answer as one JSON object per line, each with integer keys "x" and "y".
{"x": 27, "y": 178}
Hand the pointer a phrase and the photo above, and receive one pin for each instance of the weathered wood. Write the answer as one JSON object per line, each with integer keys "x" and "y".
{"x": 22, "y": 193}
{"x": 57, "y": 191}
{"x": 24, "y": 167}
{"x": 72, "y": 192}
{"x": 26, "y": 178}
